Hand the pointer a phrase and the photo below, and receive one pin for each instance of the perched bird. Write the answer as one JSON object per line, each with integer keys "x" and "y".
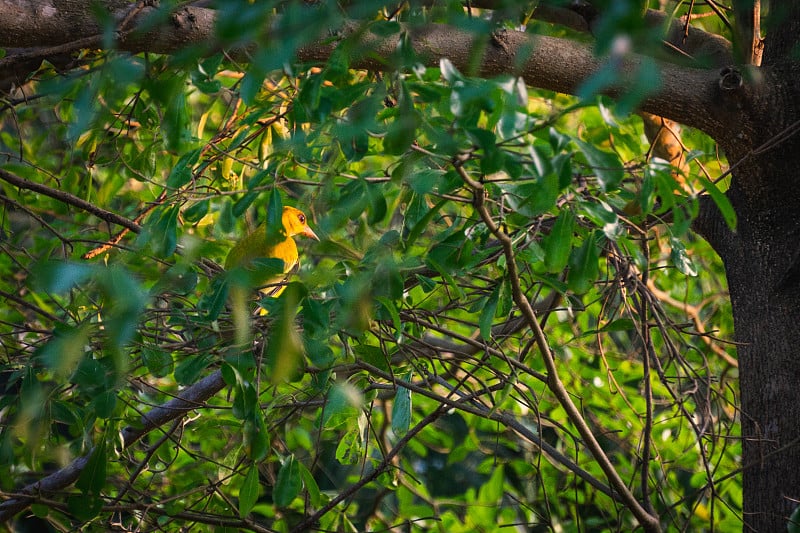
{"x": 255, "y": 246}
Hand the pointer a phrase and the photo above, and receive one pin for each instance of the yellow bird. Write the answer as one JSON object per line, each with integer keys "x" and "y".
{"x": 254, "y": 246}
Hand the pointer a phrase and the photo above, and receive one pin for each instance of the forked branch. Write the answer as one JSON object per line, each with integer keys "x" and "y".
{"x": 648, "y": 521}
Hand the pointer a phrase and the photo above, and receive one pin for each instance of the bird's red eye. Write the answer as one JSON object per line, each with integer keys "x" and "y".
{"x": 302, "y": 219}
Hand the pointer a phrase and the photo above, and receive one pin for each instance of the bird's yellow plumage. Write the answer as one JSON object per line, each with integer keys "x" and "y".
{"x": 254, "y": 246}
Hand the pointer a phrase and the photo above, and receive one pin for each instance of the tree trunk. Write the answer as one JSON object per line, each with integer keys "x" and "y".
{"x": 766, "y": 310}
{"x": 762, "y": 260}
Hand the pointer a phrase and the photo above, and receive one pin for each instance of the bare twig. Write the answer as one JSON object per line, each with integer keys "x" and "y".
{"x": 748, "y": 42}
{"x": 67, "y": 198}
{"x": 191, "y": 398}
{"x": 648, "y": 521}
{"x": 647, "y": 353}
{"x": 466, "y": 403}
{"x": 308, "y": 522}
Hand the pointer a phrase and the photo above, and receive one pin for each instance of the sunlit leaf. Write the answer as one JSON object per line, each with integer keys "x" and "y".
{"x": 681, "y": 259}
{"x": 721, "y": 200}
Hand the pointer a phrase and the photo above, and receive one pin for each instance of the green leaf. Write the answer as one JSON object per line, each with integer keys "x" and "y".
{"x": 488, "y": 313}
{"x": 424, "y": 181}
{"x": 196, "y": 212}
{"x": 349, "y": 449}
{"x": 620, "y": 324}
{"x": 284, "y": 354}
{"x": 377, "y": 205}
{"x": 584, "y": 266}
{"x": 681, "y": 259}
{"x": 558, "y": 243}
{"x": 94, "y": 376}
{"x": 372, "y": 355}
{"x": 242, "y": 204}
{"x": 401, "y": 408}
{"x": 491, "y": 491}
{"x": 319, "y": 353}
{"x": 93, "y": 476}
{"x": 248, "y": 492}
{"x": 275, "y": 231}
{"x": 245, "y": 401}
{"x": 104, "y": 404}
{"x": 423, "y": 223}
{"x": 176, "y": 120}
{"x": 158, "y": 362}
{"x": 213, "y": 300}
{"x": 256, "y": 437}
{"x": 606, "y": 165}
{"x": 65, "y": 349}
{"x": 402, "y": 131}
{"x": 161, "y": 231}
{"x": 181, "y": 173}
{"x": 40, "y": 510}
{"x": 60, "y": 276}
{"x": 188, "y": 370}
{"x": 341, "y": 405}
{"x": 388, "y": 305}
{"x": 794, "y": 521}
{"x": 721, "y": 199}
{"x": 251, "y": 85}
{"x": 605, "y": 218}
{"x": 426, "y": 283}
{"x": 85, "y": 506}
{"x": 314, "y": 494}
{"x": 288, "y": 484}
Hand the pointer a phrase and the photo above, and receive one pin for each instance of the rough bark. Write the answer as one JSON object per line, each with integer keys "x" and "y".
{"x": 762, "y": 261}
{"x": 689, "y": 96}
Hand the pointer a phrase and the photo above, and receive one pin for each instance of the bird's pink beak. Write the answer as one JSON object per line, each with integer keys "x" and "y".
{"x": 308, "y": 232}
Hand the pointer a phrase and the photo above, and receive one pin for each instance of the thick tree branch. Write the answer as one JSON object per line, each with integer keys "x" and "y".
{"x": 686, "y": 95}
{"x": 191, "y": 398}
{"x": 704, "y": 47}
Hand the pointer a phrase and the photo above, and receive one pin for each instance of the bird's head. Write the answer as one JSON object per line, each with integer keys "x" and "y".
{"x": 295, "y": 223}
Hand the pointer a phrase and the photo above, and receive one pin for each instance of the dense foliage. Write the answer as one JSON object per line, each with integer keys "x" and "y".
{"x": 399, "y": 381}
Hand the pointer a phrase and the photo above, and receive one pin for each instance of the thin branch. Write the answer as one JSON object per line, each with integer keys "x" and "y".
{"x": 71, "y": 199}
{"x": 748, "y": 43}
{"x": 21, "y": 302}
{"x": 648, "y": 521}
{"x": 466, "y": 404}
{"x": 191, "y": 398}
{"x": 647, "y": 353}
{"x": 308, "y": 522}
